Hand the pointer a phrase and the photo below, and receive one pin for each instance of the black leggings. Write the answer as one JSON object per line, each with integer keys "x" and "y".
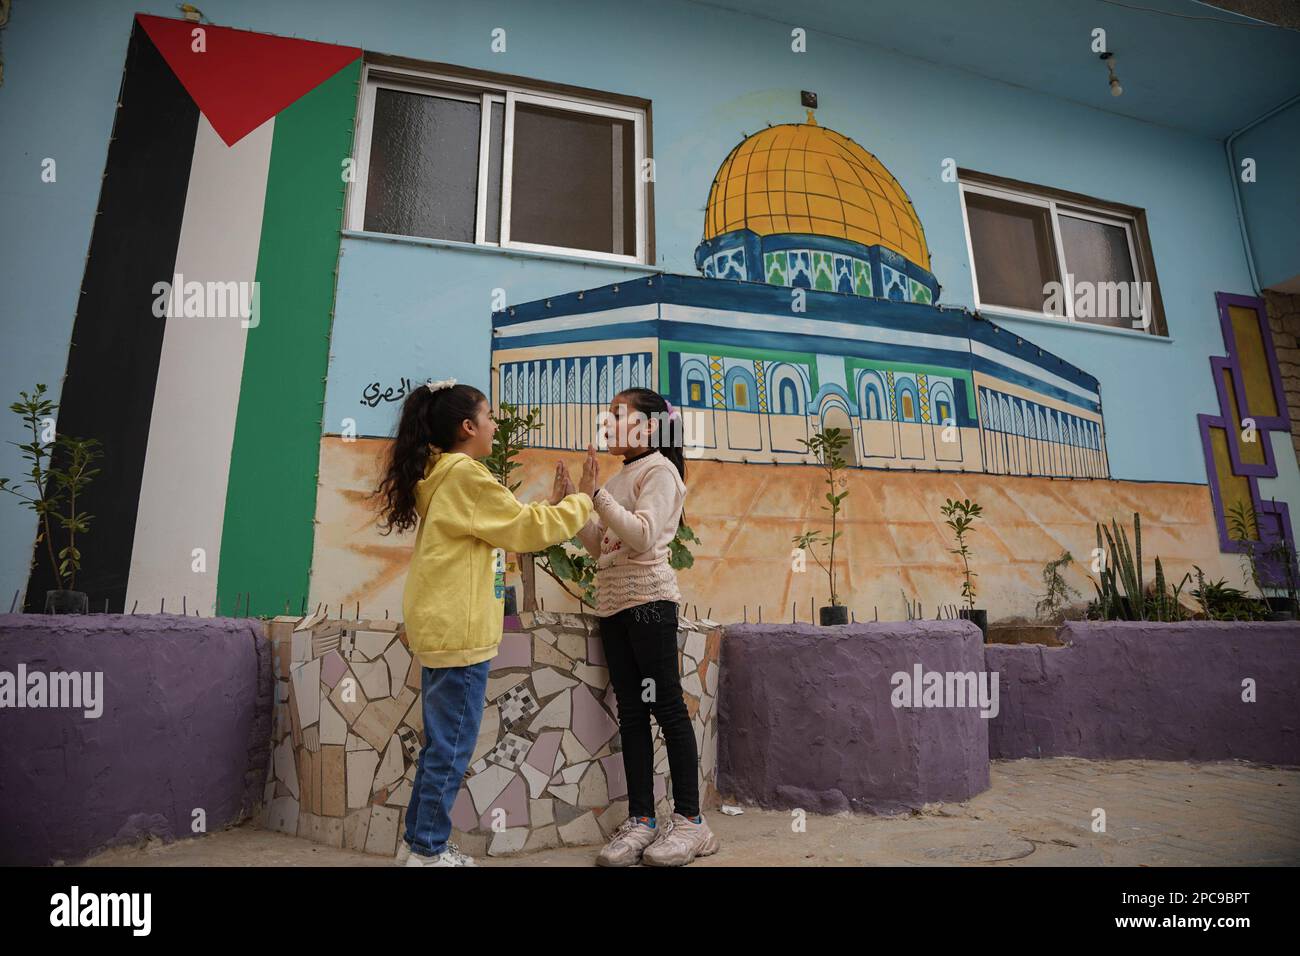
{"x": 641, "y": 650}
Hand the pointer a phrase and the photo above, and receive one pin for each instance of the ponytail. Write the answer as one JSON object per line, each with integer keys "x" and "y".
{"x": 429, "y": 425}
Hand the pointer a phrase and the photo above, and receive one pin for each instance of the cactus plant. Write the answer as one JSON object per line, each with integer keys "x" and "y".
{"x": 1121, "y": 586}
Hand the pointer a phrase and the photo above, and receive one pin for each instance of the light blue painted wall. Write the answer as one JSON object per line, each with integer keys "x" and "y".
{"x": 713, "y": 76}
{"x": 423, "y": 312}
{"x": 1271, "y": 204}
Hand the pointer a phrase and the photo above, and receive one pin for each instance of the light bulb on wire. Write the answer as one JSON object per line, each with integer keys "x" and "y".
{"x": 1115, "y": 88}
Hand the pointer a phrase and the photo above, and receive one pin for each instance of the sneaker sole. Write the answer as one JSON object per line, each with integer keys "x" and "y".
{"x": 603, "y": 862}
{"x": 711, "y": 846}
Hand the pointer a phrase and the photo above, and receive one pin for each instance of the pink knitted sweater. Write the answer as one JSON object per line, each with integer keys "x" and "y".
{"x": 634, "y": 518}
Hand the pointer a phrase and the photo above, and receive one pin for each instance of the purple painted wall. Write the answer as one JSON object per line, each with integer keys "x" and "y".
{"x": 1132, "y": 689}
{"x": 186, "y": 723}
{"x": 805, "y": 718}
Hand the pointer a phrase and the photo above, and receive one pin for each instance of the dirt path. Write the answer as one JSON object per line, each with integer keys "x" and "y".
{"x": 1037, "y": 813}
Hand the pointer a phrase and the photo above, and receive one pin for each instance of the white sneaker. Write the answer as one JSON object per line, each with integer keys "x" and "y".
{"x": 451, "y": 856}
{"x": 403, "y": 853}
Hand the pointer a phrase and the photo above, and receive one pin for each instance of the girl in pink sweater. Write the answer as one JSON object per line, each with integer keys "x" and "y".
{"x": 635, "y": 516}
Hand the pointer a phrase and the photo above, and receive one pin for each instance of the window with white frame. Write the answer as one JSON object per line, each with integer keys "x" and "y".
{"x": 1038, "y": 254}
{"x": 445, "y": 157}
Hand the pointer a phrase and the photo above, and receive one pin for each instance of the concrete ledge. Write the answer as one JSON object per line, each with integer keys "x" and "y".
{"x": 806, "y": 719}
{"x": 185, "y": 725}
{"x": 1133, "y": 689}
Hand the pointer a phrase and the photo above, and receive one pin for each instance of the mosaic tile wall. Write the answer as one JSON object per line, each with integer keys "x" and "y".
{"x": 347, "y": 731}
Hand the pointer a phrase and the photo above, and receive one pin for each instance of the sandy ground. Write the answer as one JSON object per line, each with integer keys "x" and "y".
{"x": 1036, "y": 813}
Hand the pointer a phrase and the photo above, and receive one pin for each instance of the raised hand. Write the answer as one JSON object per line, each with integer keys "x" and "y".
{"x": 569, "y": 487}
{"x": 590, "y": 472}
{"x": 560, "y": 487}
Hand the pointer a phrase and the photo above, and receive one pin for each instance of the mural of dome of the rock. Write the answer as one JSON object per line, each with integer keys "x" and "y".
{"x": 816, "y": 309}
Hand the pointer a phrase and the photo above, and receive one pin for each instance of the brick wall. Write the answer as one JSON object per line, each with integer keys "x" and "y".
{"x": 1284, "y": 320}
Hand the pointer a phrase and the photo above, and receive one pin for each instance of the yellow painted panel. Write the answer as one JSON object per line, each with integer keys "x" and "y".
{"x": 1232, "y": 488}
{"x": 1260, "y": 398}
{"x": 1251, "y": 452}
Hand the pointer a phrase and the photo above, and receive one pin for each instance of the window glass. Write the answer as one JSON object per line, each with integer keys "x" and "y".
{"x": 1097, "y": 253}
{"x": 423, "y": 174}
{"x": 573, "y": 181}
{"x": 1013, "y": 247}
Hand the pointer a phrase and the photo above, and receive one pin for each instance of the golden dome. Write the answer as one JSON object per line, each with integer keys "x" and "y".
{"x": 805, "y": 178}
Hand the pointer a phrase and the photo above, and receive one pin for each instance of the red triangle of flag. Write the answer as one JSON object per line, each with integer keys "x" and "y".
{"x": 241, "y": 79}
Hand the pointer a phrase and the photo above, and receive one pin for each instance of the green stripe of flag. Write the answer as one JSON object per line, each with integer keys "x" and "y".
{"x": 266, "y": 544}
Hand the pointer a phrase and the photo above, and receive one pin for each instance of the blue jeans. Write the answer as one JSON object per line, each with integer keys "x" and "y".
{"x": 453, "y": 710}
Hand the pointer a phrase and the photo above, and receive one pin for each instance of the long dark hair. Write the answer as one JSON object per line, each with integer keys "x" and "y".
{"x": 668, "y": 439}
{"x": 429, "y": 425}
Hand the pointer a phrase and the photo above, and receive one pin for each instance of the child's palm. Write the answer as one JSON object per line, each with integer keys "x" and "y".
{"x": 590, "y": 472}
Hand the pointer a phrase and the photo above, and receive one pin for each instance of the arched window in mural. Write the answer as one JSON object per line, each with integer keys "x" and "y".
{"x": 873, "y": 403}
{"x": 906, "y": 399}
{"x": 941, "y": 400}
{"x": 741, "y": 393}
{"x": 695, "y": 383}
{"x": 508, "y": 386}
{"x": 695, "y": 389}
{"x": 835, "y": 415}
{"x": 788, "y": 399}
{"x": 871, "y": 396}
{"x": 787, "y": 389}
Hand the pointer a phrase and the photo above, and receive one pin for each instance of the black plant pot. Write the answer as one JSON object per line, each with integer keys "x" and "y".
{"x": 835, "y": 614}
{"x": 66, "y": 602}
{"x": 980, "y": 617}
{"x": 511, "y": 601}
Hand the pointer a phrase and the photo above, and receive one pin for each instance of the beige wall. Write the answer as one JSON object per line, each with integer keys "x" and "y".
{"x": 894, "y": 537}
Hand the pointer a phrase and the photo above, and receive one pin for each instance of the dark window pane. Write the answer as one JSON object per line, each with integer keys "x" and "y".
{"x": 423, "y": 177}
{"x": 1098, "y": 253}
{"x": 573, "y": 181}
{"x": 1014, "y": 256}
{"x": 496, "y": 141}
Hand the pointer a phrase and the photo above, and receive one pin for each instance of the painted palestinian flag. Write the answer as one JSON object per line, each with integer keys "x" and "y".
{"x": 224, "y": 171}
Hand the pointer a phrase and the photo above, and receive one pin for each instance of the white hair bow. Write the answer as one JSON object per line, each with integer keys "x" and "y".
{"x": 445, "y": 383}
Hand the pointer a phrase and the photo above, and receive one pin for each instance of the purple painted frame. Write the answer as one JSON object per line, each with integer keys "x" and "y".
{"x": 1273, "y": 517}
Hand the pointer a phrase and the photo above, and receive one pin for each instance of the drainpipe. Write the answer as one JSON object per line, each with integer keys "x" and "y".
{"x": 1236, "y": 187}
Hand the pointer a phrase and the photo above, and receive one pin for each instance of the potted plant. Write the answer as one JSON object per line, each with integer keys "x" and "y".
{"x": 1221, "y": 602}
{"x": 961, "y": 516}
{"x": 826, "y": 446}
{"x": 1282, "y": 558}
{"x": 61, "y": 469}
{"x": 1261, "y": 561}
{"x": 1121, "y": 593}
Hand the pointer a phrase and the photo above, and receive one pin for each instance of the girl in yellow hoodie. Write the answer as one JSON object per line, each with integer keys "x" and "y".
{"x": 453, "y": 604}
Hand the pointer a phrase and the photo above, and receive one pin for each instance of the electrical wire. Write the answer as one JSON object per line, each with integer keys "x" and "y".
{"x": 1184, "y": 16}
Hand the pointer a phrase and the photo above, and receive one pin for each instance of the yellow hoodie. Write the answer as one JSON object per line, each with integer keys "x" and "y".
{"x": 451, "y": 606}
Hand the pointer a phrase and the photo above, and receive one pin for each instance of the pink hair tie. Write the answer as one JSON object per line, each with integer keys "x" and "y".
{"x": 671, "y": 411}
